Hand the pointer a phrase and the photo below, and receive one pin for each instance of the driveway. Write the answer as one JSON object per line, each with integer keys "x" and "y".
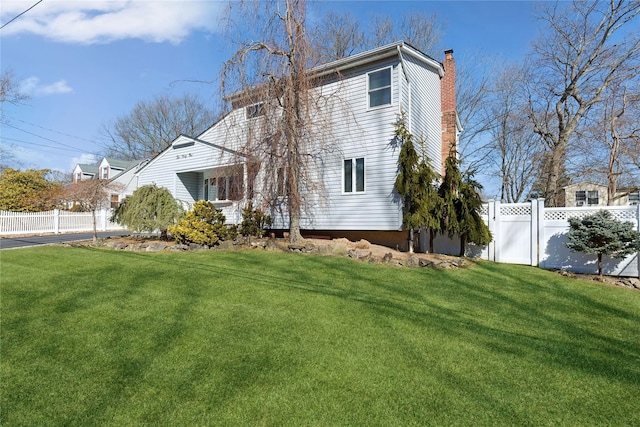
{"x": 25, "y": 241}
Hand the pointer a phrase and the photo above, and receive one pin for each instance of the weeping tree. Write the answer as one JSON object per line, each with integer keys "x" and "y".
{"x": 149, "y": 209}
{"x": 602, "y": 234}
{"x": 269, "y": 76}
{"x": 415, "y": 183}
{"x": 459, "y": 211}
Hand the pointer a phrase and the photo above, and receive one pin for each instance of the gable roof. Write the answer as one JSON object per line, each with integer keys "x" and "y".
{"x": 396, "y": 49}
{"x": 121, "y": 164}
{"x": 183, "y": 140}
{"x": 88, "y": 169}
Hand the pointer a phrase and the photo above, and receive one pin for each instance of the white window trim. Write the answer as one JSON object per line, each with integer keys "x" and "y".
{"x": 377, "y": 107}
{"x": 353, "y": 176}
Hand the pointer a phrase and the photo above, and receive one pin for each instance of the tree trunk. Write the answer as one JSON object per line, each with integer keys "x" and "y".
{"x": 600, "y": 265}
{"x": 463, "y": 244}
{"x": 432, "y": 236}
{"x": 555, "y": 171}
{"x": 95, "y": 226}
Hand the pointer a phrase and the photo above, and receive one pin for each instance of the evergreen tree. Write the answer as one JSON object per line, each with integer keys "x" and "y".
{"x": 148, "y": 209}
{"x": 459, "y": 210}
{"x": 415, "y": 184}
{"x": 602, "y": 234}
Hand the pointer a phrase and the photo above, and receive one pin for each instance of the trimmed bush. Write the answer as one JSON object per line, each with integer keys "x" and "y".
{"x": 203, "y": 225}
{"x": 254, "y": 222}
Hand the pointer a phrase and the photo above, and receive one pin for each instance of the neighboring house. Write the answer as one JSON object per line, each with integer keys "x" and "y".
{"x": 363, "y": 95}
{"x": 118, "y": 171}
{"x": 592, "y": 194}
{"x": 84, "y": 172}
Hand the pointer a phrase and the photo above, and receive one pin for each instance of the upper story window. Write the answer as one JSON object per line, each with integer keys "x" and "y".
{"x": 78, "y": 177}
{"x": 353, "y": 175}
{"x": 105, "y": 172}
{"x": 255, "y": 110}
{"x": 592, "y": 198}
{"x": 379, "y": 87}
{"x": 634, "y": 198}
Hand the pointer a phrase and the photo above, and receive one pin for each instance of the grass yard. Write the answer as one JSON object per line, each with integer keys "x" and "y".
{"x": 99, "y": 337}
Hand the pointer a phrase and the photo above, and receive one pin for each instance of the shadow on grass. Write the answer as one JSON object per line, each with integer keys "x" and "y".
{"x": 516, "y": 312}
{"x": 543, "y": 325}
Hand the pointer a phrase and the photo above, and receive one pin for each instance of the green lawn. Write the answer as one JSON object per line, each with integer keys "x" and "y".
{"x": 99, "y": 337}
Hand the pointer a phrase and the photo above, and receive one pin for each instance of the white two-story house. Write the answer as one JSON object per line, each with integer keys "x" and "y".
{"x": 354, "y": 197}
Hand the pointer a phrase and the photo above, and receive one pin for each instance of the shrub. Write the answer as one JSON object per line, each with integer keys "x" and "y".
{"x": 203, "y": 225}
{"x": 254, "y": 222}
{"x": 148, "y": 209}
{"x": 602, "y": 234}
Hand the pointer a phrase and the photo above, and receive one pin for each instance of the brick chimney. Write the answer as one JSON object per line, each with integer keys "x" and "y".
{"x": 448, "y": 105}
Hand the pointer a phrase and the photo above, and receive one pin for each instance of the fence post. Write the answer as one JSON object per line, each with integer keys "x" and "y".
{"x": 496, "y": 228}
{"x": 104, "y": 219}
{"x": 56, "y": 221}
{"x": 533, "y": 230}
{"x": 638, "y": 253}
{"x": 491, "y": 224}
{"x": 539, "y": 229}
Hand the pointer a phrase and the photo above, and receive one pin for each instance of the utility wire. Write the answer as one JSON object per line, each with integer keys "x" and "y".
{"x": 51, "y": 130}
{"x": 75, "y": 150}
{"x": 40, "y": 136}
{"x": 19, "y": 15}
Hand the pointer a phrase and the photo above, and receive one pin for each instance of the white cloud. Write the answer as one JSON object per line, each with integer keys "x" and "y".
{"x": 93, "y": 21}
{"x": 31, "y": 86}
{"x": 84, "y": 159}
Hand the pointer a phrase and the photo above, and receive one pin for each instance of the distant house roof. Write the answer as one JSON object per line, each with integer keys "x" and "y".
{"x": 121, "y": 164}
{"x": 88, "y": 169}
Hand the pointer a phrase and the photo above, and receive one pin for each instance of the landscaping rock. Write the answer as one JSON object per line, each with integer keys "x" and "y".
{"x": 156, "y": 247}
{"x": 413, "y": 261}
{"x": 179, "y": 248}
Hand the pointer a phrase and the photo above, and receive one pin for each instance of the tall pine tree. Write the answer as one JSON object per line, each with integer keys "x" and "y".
{"x": 459, "y": 212}
{"x": 415, "y": 183}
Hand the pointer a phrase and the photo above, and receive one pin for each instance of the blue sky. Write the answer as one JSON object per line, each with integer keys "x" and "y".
{"x": 86, "y": 63}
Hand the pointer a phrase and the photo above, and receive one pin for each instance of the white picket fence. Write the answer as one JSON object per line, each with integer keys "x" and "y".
{"x": 530, "y": 234}
{"x": 55, "y": 221}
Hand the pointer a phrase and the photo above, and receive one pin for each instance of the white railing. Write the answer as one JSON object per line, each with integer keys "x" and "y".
{"x": 55, "y": 221}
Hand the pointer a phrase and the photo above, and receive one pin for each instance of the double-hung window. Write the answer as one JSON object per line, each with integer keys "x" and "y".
{"x": 592, "y": 197}
{"x": 353, "y": 175}
{"x": 379, "y": 87}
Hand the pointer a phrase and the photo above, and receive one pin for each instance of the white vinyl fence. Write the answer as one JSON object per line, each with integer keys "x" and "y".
{"x": 55, "y": 221}
{"x": 530, "y": 234}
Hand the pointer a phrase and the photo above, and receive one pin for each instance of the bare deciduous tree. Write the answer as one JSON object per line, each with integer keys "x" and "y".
{"x": 573, "y": 63}
{"x": 515, "y": 151}
{"x": 10, "y": 90}
{"x": 337, "y": 36}
{"x": 270, "y": 79}
{"x": 92, "y": 195}
{"x": 151, "y": 126}
{"x": 422, "y": 31}
{"x": 608, "y": 143}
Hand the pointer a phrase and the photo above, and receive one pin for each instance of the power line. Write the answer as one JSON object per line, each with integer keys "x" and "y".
{"x": 20, "y": 14}
{"x": 74, "y": 150}
{"x": 51, "y": 130}
{"x": 40, "y": 136}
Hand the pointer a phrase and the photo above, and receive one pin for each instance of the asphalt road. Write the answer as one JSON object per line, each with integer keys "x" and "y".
{"x": 25, "y": 241}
